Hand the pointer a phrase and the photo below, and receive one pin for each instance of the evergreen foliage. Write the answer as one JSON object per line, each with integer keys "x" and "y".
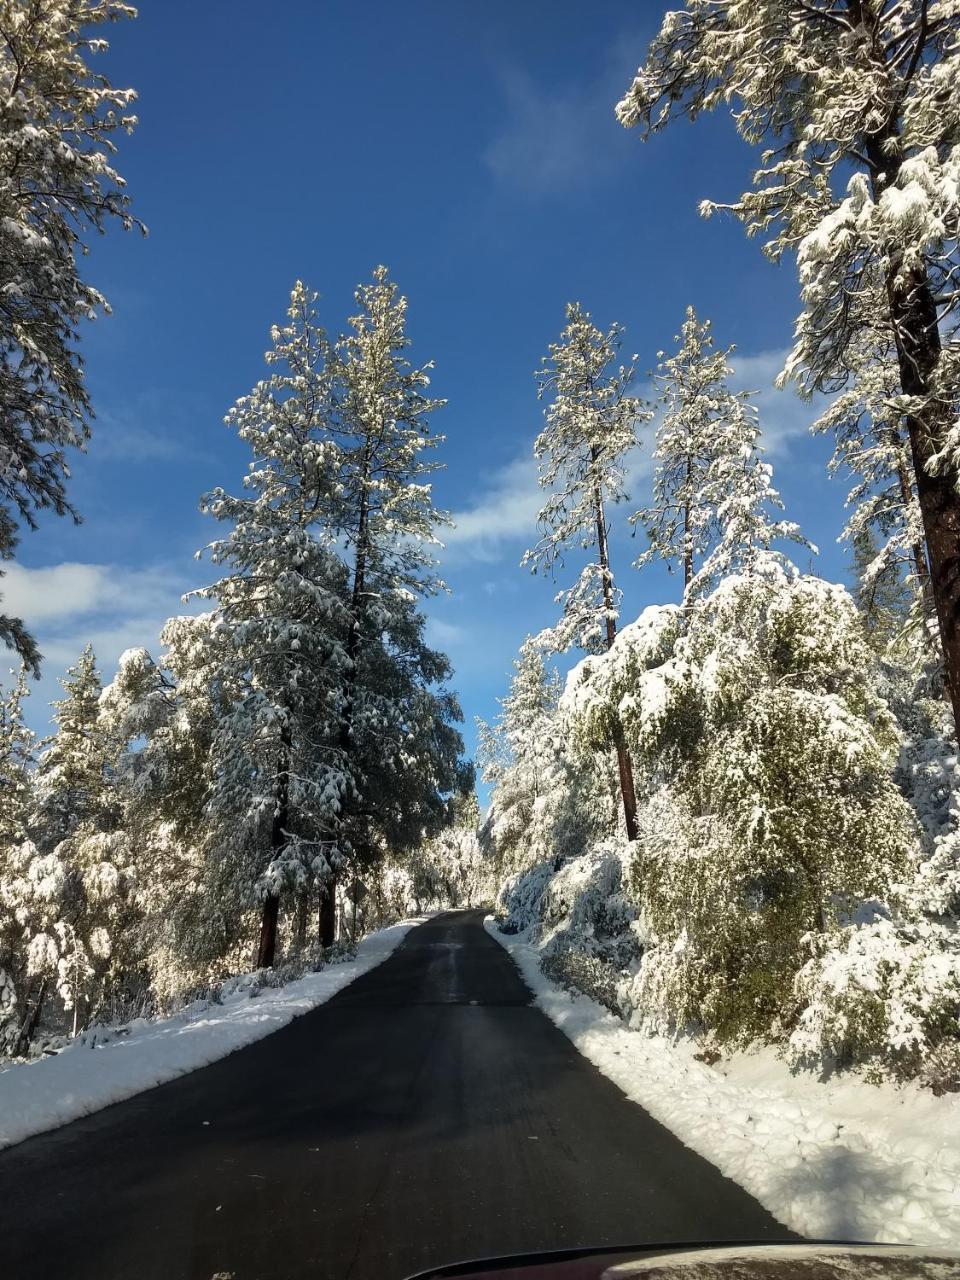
{"x": 57, "y": 182}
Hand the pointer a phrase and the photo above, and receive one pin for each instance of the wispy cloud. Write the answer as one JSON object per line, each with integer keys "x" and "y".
{"x": 157, "y": 425}
{"x": 505, "y": 512}
{"x": 69, "y": 605}
{"x": 784, "y": 416}
{"x": 557, "y": 139}
{"x": 66, "y": 593}
{"x": 504, "y": 516}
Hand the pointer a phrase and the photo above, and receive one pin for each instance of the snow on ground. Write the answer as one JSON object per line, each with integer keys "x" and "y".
{"x": 36, "y": 1096}
{"x": 839, "y": 1159}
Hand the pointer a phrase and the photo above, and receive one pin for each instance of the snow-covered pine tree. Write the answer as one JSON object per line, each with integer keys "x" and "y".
{"x": 397, "y": 725}
{"x": 57, "y": 181}
{"x": 872, "y": 447}
{"x": 860, "y": 95}
{"x": 76, "y": 877}
{"x": 518, "y": 757}
{"x": 16, "y": 761}
{"x": 17, "y": 743}
{"x": 591, "y": 426}
{"x": 70, "y": 776}
{"x": 543, "y": 805}
{"x": 881, "y": 593}
{"x": 739, "y": 489}
{"x": 700, "y": 417}
{"x": 771, "y": 811}
{"x": 273, "y": 651}
{"x": 191, "y": 926}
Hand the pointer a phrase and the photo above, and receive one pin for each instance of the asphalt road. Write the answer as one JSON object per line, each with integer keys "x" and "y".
{"x": 425, "y": 1114}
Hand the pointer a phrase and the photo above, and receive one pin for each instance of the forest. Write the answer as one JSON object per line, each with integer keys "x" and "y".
{"x": 734, "y": 817}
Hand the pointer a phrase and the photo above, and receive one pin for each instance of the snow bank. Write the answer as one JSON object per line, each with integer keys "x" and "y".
{"x": 840, "y": 1159}
{"x": 37, "y": 1096}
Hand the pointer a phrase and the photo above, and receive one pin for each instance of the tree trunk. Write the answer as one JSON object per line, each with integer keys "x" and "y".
{"x": 917, "y": 335}
{"x": 328, "y": 913}
{"x": 267, "y": 948}
{"x": 303, "y": 909}
{"x": 916, "y": 332}
{"x": 628, "y": 794}
{"x": 30, "y": 1023}
{"x": 687, "y": 535}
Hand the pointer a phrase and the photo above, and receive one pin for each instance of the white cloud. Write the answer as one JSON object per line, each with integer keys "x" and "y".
{"x": 558, "y": 139}
{"x": 442, "y": 633}
{"x": 59, "y": 591}
{"x": 784, "y": 416}
{"x": 55, "y": 594}
{"x": 505, "y": 512}
{"x": 70, "y": 605}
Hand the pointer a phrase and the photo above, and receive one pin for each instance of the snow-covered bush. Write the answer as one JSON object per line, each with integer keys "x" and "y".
{"x": 884, "y": 994}
{"x": 549, "y": 801}
{"x": 581, "y": 918}
{"x": 771, "y": 808}
{"x": 520, "y": 901}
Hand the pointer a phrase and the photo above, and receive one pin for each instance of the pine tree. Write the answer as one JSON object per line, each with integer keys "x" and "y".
{"x": 854, "y": 94}
{"x": 57, "y": 118}
{"x": 76, "y": 877}
{"x": 72, "y": 764}
{"x": 161, "y": 719}
{"x": 274, "y": 648}
{"x": 397, "y": 724}
{"x": 545, "y": 804}
{"x": 739, "y": 489}
{"x": 872, "y": 446}
{"x": 591, "y": 425}
{"x": 520, "y": 757}
{"x": 16, "y": 760}
{"x": 17, "y": 744}
{"x": 881, "y": 594}
{"x": 701, "y": 418}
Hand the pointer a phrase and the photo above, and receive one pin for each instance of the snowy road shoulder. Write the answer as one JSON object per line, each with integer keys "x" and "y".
{"x": 38, "y": 1096}
{"x": 840, "y": 1159}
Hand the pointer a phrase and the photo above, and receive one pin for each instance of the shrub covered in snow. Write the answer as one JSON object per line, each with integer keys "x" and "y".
{"x": 782, "y": 887}
{"x": 581, "y": 918}
{"x": 771, "y": 807}
{"x": 885, "y": 994}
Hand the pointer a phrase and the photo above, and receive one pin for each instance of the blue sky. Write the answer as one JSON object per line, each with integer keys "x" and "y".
{"x": 474, "y": 150}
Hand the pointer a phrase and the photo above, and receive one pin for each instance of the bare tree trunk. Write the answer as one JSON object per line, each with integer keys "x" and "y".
{"x": 328, "y": 912}
{"x": 303, "y": 908}
{"x": 628, "y": 794}
{"x": 267, "y": 946}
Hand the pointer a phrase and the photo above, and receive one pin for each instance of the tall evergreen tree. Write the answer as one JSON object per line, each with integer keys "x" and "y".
{"x": 872, "y": 446}
{"x": 17, "y": 744}
{"x": 274, "y": 650}
{"x": 16, "y": 760}
{"x": 701, "y": 419}
{"x": 57, "y": 181}
{"x": 76, "y": 877}
{"x": 854, "y": 102}
{"x": 397, "y": 720}
{"x": 591, "y": 426}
